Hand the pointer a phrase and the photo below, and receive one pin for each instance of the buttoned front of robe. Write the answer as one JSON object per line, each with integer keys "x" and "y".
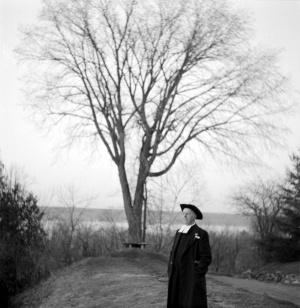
{"x": 187, "y": 284}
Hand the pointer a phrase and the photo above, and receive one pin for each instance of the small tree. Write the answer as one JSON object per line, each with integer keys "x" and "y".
{"x": 261, "y": 202}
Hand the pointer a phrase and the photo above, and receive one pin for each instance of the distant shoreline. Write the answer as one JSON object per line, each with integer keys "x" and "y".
{"x": 212, "y": 221}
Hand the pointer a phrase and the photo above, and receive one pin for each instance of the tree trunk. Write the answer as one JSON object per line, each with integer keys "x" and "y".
{"x": 133, "y": 210}
{"x": 134, "y": 227}
{"x": 145, "y": 215}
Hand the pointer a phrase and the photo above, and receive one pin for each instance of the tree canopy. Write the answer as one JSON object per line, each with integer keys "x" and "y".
{"x": 150, "y": 79}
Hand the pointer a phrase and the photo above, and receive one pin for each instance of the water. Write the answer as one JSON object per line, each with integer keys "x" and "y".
{"x": 100, "y": 225}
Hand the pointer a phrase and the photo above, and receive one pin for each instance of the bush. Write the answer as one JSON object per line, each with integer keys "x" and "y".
{"x": 233, "y": 253}
{"x": 21, "y": 237}
{"x": 280, "y": 249}
{"x": 249, "y": 256}
{"x": 225, "y": 247}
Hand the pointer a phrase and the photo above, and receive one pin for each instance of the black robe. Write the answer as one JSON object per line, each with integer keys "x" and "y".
{"x": 188, "y": 264}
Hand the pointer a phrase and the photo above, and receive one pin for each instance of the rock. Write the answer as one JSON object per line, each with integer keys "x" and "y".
{"x": 247, "y": 274}
{"x": 272, "y": 277}
{"x": 296, "y": 282}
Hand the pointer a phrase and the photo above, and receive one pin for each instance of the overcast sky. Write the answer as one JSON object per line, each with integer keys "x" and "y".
{"x": 276, "y": 24}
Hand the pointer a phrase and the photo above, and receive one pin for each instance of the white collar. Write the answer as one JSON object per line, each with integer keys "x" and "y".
{"x": 185, "y": 228}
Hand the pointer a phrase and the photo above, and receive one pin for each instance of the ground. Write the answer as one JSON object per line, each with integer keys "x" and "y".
{"x": 135, "y": 278}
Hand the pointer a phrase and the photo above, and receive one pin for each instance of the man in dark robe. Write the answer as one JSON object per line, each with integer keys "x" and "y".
{"x": 189, "y": 261}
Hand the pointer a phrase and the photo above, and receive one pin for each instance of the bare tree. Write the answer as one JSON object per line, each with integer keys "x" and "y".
{"x": 70, "y": 222}
{"x": 262, "y": 202}
{"x": 149, "y": 79}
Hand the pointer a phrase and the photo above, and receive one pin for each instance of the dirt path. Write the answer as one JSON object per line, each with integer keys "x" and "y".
{"x": 128, "y": 279}
{"x": 281, "y": 292}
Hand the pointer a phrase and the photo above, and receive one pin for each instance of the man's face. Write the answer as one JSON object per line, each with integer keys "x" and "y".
{"x": 188, "y": 216}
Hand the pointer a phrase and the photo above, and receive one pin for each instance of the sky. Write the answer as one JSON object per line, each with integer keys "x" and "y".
{"x": 276, "y": 24}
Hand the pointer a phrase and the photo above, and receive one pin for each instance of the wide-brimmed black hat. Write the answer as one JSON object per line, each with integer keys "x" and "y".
{"x": 193, "y": 208}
